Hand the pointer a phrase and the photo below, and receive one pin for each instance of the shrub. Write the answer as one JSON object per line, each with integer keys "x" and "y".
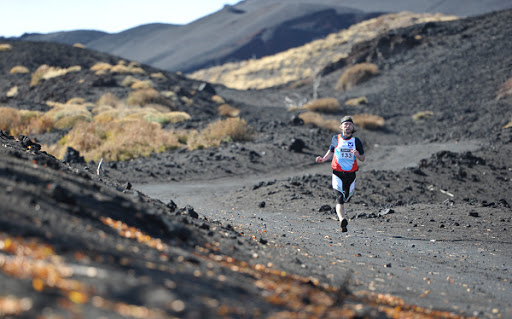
{"x": 228, "y": 110}
{"x": 218, "y": 99}
{"x": 109, "y": 98}
{"x": 65, "y": 116}
{"x": 231, "y": 129}
{"x": 12, "y": 91}
{"x": 158, "y": 76}
{"x": 137, "y": 85}
{"x": 368, "y": 121}
{"x": 19, "y": 69}
{"x": 505, "y": 89}
{"x": 355, "y": 75}
{"x": 357, "y": 101}
{"x": 9, "y": 118}
{"x": 5, "y": 47}
{"x": 79, "y": 45}
{"x": 118, "y": 141}
{"x": 317, "y": 120}
{"x": 120, "y": 68}
{"x": 508, "y": 125}
{"x": 168, "y": 117}
{"x": 75, "y": 100}
{"x": 145, "y": 96}
{"x": 101, "y": 67}
{"x": 46, "y": 72}
{"x": 424, "y": 115}
{"x": 325, "y": 105}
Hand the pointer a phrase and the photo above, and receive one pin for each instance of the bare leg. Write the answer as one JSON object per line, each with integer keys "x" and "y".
{"x": 340, "y": 210}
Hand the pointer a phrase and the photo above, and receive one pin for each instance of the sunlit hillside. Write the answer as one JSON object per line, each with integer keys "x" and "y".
{"x": 304, "y": 62}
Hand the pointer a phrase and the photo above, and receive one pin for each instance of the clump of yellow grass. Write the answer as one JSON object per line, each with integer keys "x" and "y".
{"x": 318, "y": 120}
{"x": 356, "y": 101}
{"x": 355, "y": 75}
{"x": 5, "y": 47}
{"x": 19, "y": 69}
{"x": 21, "y": 121}
{"x": 368, "y": 121}
{"x": 232, "y": 129}
{"x": 324, "y": 105}
{"x": 12, "y": 91}
{"x": 117, "y": 141}
{"x": 146, "y": 96}
{"x": 119, "y": 68}
{"x": 423, "y": 115}
{"x": 46, "y": 72}
{"x": 227, "y": 110}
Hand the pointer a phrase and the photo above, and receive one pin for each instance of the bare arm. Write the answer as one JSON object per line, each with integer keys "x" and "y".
{"x": 326, "y": 157}
{"x": 358, "y": 156}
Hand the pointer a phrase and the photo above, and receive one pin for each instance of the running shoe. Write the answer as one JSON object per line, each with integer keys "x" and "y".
{"x": 343, "y": 225}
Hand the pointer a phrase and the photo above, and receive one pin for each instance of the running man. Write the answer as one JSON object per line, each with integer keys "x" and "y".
{"x": 345, "y": 150}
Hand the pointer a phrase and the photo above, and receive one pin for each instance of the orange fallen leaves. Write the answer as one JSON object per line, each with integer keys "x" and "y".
{"x": 133, "y": 233}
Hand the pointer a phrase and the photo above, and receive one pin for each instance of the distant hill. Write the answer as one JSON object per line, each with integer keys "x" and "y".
{"x": 252, "y": 29}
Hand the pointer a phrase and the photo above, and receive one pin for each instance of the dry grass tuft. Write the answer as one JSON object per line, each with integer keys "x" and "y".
{"x": 9, "y": 118}
{"x": 324, "y": 105}
{"x": 110, "y": 99}
{"x": 46, "y": 72}
{"x": 357, "y": 101}
{"x": 218, "y": 99}
{"x": 505, "y": 90}
{"x": 158, "y": 76}
{"x": 422, "y": 116}
{"x": 227, "y": 110}
{"x": 368, "y": 121}
{"x": 79, "y": 45}
{"x": 355, "y": 75}
{"x": 146, "y": 96}
{"x": 5, "y": 47}
{"x": 19, "y": 69}
{"x": 117, "y": 141}
{"x": 12, "y": 91}
{"x": 138, "y": 84}
{"x": 228, "y": 130}
{"x": 317, "y": 120}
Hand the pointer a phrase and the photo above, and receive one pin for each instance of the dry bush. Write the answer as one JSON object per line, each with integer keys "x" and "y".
{"x": 19, "y": 69}
{"x": 76, "y": 100}
{"x": 355, "y": 75}
{"x": 46, "y": 72}
{"x": 12, "y": 91}
{"x": 109, "y": 98}
{"x": 158, "y": 76}
{"x": 171, "y": 95}
{"x": 168, "y": 117}
{"x": 146, "y": 96}
{"x": 505, "y": 89}
{"x": 137, "y": 85}
{"x": 228, "y": 110}
{"x": 368, "y": 121}
{"x": 508, "y": 125}
{"x": 317, "y": 120}
{"x": 65, "y": 116}
{"x": 324, "y": 105}
{"x": 421, "y": 116}
{"x": 9, "y": 118}
{"x": 136, "y": 70}
{"x": 79, "y": 45}
{"x": 228, "y": 130}
{"x": 101, "y": 67}
{"x": 120, "y": 68}
{"x": 218, "y": 99}
{"x": 5, "y": 47}
{"x": 357, "y": 101}
{"x": 118, "y": 141}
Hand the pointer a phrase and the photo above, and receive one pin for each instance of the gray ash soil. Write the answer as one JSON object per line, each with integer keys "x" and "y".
{"x": 247, "y": 229}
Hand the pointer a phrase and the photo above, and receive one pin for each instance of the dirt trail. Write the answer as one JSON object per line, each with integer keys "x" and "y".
{"x": 200, "y": 193}
{"x": 430, "y": 269}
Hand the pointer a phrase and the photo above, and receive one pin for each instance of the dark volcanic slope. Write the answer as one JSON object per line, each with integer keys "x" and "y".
{"x": 253, "y": 28}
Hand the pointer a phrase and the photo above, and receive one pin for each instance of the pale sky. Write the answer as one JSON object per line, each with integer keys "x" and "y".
{"x": 44, "y": 16}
